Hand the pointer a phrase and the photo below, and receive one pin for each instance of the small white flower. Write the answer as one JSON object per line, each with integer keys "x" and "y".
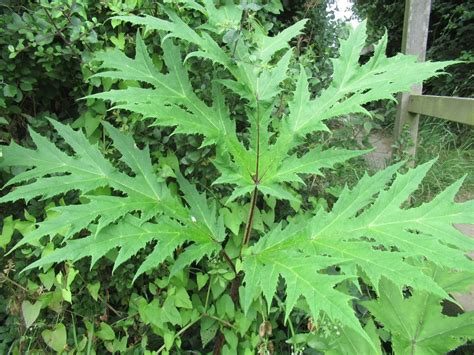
{"x": 193, "y": 219}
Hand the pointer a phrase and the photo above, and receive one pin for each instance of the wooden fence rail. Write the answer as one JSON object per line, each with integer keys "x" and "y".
{"x": 457, "y": 109}
{"x": 411, "y": 105}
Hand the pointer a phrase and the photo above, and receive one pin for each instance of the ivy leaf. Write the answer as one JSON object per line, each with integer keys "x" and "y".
{"x": 105, "y": 332}
{"x": 56, "y": 339}
{"x": 93, "y": 289}
{"x": 7, "y": 231}
{"x": 30, "y": 312}
{"x": 170, "y": 313}
{"x": 207, "y": 330}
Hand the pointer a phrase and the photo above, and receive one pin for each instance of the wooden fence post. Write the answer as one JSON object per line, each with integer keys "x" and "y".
{"x": 415, "y": 35}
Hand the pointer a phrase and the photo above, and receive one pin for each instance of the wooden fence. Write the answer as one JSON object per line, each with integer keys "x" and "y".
{"x": 411, "y": 105}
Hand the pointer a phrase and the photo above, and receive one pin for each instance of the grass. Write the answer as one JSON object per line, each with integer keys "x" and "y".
{"x": 453, "y": 144}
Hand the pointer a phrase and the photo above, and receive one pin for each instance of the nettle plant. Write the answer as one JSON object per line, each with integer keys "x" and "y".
{"x": 313, "y": 263}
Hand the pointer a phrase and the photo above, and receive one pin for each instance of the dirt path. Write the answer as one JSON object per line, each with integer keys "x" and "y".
{"x": 380, "y": 157}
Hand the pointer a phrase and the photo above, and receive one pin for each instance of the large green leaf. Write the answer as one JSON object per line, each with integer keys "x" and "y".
{"x": 130, "y": 235}
{"x": 279, "y": 254}
{"x": 368, "y": 234}
{"x": 85, "y": 171}
{"x": 172, "y": 92}
{"x": 353, "y": 86}
{"x": 371, "y": 233}
{"x": 117, "y": 221}
{"x": 417, "y": 324}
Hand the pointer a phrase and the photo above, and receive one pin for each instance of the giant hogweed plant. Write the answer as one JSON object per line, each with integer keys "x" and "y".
{"x": 313, "y": 260}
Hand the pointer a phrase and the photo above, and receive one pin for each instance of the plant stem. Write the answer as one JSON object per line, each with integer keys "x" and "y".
{"x": 90, "y": 337}
{"x": 292, "y": 330}
{"x": 58, "y": 31}
{"x": 74, "y": 333}
{"x": 257, "y": 163}
{"x": 6, "y": 278}
{"x": 244, "y": 17}
{"x": 248, "y": 227}
{"x": 189, "y": 325}
{"x": 229, "y": 260}
{"x": 256, "y": 179}
{"x": 224, "y": 322}
{"x": 207, "y": 294}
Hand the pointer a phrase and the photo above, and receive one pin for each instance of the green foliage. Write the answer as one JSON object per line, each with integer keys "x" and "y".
{"x": 450, "y": 37}
{"x": 134, "y": 210}
{"x": 424, "y": 330}
{"x": 45, "y": 60}
{"x": 454, "y": 144}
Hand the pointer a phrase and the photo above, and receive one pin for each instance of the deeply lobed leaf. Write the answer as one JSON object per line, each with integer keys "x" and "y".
{"x": 369, "y": 235}
{"x": 141, "y": 209}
